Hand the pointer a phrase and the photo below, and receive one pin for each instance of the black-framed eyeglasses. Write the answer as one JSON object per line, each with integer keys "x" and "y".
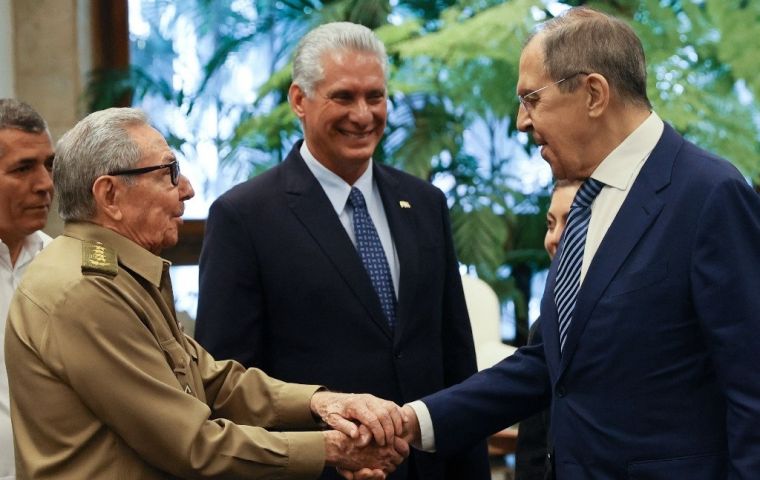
{"x": 528, "y": 99}
{"x": 172, "y": 166}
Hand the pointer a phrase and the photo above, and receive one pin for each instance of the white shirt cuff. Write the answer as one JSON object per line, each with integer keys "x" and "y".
{"x": 427, "y": 436}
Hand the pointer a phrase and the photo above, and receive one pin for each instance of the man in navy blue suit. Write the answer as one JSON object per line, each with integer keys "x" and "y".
{"x": 656, "y": 376}
{"x": 283, "y": 285}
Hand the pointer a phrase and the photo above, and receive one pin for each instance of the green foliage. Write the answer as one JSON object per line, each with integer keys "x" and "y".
{"x": 697, "y": 53}
{"x": 480, "y": 235}
{"x": 497, "y": 33}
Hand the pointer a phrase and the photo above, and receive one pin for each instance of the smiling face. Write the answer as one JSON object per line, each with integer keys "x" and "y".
{"x": 344, "y": 120}
{"x": 557, "y": 120}
{"x": 152, "y": 207}
{"x": 26, "y": 184}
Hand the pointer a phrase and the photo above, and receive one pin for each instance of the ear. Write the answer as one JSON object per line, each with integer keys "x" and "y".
{"x": 297, "y": 97}
{"x": 107, "y": 194}
{"x": 598, "y": 90}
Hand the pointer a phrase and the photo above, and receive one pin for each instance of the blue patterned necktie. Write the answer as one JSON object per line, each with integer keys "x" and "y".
{"x": 373, "y": 256}
{"x": 570, "y": 260}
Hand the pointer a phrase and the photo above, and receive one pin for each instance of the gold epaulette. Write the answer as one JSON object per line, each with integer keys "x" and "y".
{"x": 98, "y": 259}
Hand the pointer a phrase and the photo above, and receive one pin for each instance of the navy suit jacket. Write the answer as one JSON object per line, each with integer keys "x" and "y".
{"x": 283, "y": 288}
{"x": 659, "y": 376}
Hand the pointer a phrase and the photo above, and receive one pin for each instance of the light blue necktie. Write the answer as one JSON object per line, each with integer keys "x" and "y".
{"x": 570, "y": 260}
{"x": 373, "y": 256}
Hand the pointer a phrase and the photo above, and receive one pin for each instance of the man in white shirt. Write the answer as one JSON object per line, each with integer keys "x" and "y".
{"x": 26, "y": 191}
{"x": 649, "y": 320}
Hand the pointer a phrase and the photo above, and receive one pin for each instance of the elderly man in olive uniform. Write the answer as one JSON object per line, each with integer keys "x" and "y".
{"x": 103, "y": 382}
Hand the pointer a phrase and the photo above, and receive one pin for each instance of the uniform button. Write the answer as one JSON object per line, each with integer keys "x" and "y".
{"x": 561, "y": 392}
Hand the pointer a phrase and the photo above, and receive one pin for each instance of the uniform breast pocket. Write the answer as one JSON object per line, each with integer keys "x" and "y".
{"x": 176, "y": 356}
{"x": 179, "y": 360}
{"x": 651, "y": 275}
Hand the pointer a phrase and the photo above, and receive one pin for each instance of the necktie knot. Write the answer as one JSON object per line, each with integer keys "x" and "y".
{"x": 356, "y": 199}
{"x": 587, "y": 193}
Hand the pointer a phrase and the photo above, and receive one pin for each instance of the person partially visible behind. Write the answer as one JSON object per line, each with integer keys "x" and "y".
{"x": 556, "y": 217}
{"x": 103, "y": 382}
{"x": 531, "y": 454}
{"x": 26, "y": 191}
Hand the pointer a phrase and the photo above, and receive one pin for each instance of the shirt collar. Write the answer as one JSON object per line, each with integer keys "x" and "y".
{"x": 128, "y": 253}
{"x": 619, "y": 168}
{"x": 336, "y": 189}
{"x": 33, "y": 243}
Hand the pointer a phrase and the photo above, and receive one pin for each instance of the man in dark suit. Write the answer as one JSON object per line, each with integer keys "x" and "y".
{"x": 655, "y": 375}
{"x": 285, "y": 282}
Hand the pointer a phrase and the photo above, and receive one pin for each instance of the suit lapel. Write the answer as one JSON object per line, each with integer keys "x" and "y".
{"x": 309, "y": 203}
{"x": 638, "y": 212}
{"x": 402, "y": 225}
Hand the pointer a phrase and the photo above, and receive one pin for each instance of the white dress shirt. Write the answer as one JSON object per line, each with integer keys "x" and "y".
{"x": 10, "y": 276}
{"x": 617, "y": 171}
{"x": 337, "y": 191}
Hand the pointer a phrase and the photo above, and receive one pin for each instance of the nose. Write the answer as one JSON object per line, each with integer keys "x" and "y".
{"x": 43, "y": 181}
{"x": 362, "y": 112}
{"x": 551, "y": 241}
{"x": 524, "y": 122}
{"x": 186, "y": 191}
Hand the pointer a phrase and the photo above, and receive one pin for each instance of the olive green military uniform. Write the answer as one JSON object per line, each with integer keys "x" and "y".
{"x": 105, "y": 386}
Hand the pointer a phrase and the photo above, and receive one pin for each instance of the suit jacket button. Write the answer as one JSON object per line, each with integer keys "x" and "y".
{"x": 399, "y": 355}
{"x": 561, "y": 392}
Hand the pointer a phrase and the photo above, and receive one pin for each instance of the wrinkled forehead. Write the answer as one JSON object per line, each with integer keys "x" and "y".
{"x": 150, "y": 141}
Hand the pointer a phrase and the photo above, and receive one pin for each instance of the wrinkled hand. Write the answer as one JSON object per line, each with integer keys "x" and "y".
{"x": 359, "y": 460}
{"x": 382, "y": 418}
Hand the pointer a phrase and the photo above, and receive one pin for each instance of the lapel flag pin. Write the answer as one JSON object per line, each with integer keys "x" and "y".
{"x": 404, "y": 204}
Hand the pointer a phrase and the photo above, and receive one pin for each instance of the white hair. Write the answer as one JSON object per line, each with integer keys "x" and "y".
{"x": 98, "y": 144}
{"x": 327, "y": 38}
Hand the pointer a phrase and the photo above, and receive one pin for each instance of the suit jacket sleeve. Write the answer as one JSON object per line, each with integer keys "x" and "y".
{"x": 230, "y": 306}
{"x": 725, "y": 281}
{"x": 490, "y": 400}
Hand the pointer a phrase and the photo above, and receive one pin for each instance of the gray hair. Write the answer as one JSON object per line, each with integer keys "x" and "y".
{"x": 20, "y": 116}
{"x": 328, "y": 38}
{"x": 586, "y": 40}
{"x": 98, "y": 144}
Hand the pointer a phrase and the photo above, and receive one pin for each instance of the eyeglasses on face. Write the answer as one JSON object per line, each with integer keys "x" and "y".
{"x": 172, "y": 166}
{"x": 528, "y": 100}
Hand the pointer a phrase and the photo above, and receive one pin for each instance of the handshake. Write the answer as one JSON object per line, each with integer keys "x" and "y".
{"x": 370, "y": 437}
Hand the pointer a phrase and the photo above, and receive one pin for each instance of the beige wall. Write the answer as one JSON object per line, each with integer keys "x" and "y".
{"x": 52, "y": 53}
{"x": 6, "y": 50}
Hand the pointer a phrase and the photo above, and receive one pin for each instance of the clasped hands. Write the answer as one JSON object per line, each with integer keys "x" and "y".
{"x": 369, "y": 436}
